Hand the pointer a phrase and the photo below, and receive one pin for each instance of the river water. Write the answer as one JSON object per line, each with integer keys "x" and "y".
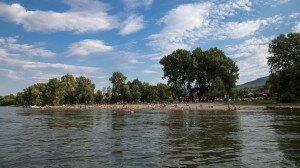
{"x": 105, "y": 138}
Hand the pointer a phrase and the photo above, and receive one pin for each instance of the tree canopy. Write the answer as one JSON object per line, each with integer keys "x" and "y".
{"x": 204, "y": 71}
{"x": 285, "y": 65}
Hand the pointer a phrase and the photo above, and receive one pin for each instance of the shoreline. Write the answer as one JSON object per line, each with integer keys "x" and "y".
{"x": 170, "y": 106}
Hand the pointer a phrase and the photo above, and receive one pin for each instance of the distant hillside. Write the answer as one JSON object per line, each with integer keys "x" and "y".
{"x": 257, "y": 82}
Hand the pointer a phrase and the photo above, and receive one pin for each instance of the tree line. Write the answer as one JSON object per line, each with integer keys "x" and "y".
{"x": 81, "y": 90}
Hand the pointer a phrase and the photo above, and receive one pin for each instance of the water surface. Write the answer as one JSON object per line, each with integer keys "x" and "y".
{"x": 106, "y": 138}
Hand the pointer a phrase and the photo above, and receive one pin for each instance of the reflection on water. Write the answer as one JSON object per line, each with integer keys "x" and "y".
{"x": 105, "y": 138}
{"x": 194, "y": 138}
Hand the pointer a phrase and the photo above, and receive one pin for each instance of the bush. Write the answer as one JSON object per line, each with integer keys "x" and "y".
{"x": 286, "y": 98}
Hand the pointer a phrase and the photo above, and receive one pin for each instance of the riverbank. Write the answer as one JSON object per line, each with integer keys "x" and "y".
{"x": 157, "y": 106}
{"x": 179, "y": 106}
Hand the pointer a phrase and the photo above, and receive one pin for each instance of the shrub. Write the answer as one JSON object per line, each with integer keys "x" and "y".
{"x": 286, "y": 97}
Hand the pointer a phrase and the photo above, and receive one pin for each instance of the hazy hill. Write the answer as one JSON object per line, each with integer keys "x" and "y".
{"x": 257, "y": 82}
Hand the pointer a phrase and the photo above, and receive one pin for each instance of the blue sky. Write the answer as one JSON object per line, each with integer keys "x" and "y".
{"x": 42, "y": 39}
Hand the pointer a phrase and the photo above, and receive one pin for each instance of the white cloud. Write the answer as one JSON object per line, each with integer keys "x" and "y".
{"x": 8, "y": 59}
{"x": 186, "y": 24}
{"x": 294, "y": 15}
{"x": 149, "y": 72}
{"x": 39, "y": 76}
{"x": 296, "y": 28}
{"x": 11, "y": 45}
{"x": 137, "y": 3}
{"x": 10, "y": 73}
{"x": 182, "y": 24}
{"x": 84, "y": 16}
{"x": 87, "y": 47}
{"x": 251, "y": 58}
{"x": 243, "y": 29}
{"x": 132, "y": 24}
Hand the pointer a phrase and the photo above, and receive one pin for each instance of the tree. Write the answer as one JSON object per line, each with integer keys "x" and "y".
{"x": 99, "y": 97}
{"x": 7, "y": 100}
{"x": 285, "y": 52}
{"x": 285, "y": 64}
{"x": 149, "y": 93}
{"x": 68, "y": 89}
{"x": 84, "y": 90}
{"x": 216, "y": 88}
{"x": 179, "y": 69}
{"x": 164, "y": 92}
{"x": 214, "y": 63}
{"x": 54, "y": 92}
{"x": 118, "y": 80}
{"x": 107, "y": 94}
{"x": 135, "y": 89}
{"x": 199, "y": 71}
{"x": 125, "y": 93}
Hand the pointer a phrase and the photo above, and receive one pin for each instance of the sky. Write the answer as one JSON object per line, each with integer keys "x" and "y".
{"x": 43, "y": 39}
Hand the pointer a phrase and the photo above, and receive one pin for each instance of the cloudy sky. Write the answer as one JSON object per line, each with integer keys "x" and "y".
{"x": 42, "y": 39}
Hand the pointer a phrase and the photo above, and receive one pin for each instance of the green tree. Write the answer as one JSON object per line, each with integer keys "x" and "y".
{"x": 68, "y": 89}
{"x": 187, "y": 71}
{"x": 164, "y": 92}
{"x": 149, "y": 93}
{"x": 179, "y": 70}
{"x": 20, "y": 99}
{"x": 135, "y": 89}
{"x": 118, "y": 80}
{"x": 54, "y": 92}
{"x": 285, "y": 52}
{"x": 107, "y": 92}
{"x": 216, "y": 88}
{"x": 285, "y": 64}
{"x": 215, "y": 64}
{"x": 7, "y": 100}
{"x": 99, "y": 97}
{"x": 84, "y": 90}
{"x": 125, "y": 93}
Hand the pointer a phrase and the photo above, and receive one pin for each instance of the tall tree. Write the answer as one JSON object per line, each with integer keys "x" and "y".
{"x": 285, "y": 64}
{"x": 54, "y": 92}
{"x": 84, "y": 90}
{"x": 135, "y": 89}
{"x": 118, "y": 80}
{"x": 197, "y": 70}
{"x": 285, "y": 52}
{"x": 68, "y": 89}
{"x": 179, "y": 68}
{"x": 99, "y": 97}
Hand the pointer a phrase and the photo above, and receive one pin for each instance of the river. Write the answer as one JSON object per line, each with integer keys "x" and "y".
{"x": 107, "y": 138}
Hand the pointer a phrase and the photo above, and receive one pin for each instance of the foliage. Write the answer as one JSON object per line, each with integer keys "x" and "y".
{"x": 118, "y": 80}
{"x": 68, "y": 89}
{"x": 286, "y": 98}
{"x": 164, "y": 92}
{"x": 179, "y": 68}
{"x": 99, "y": 97}
{"x": 7, "y": 100}
{"x": 285, "y": 65}
{"x": 210, "y": 73}
{"x": 53, "y": 92}
{"x": 84, "y": 90}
